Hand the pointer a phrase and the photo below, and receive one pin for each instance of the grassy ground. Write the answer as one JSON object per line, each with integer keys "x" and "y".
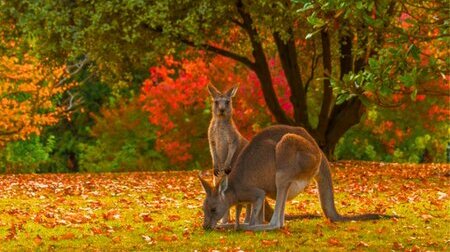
{"x": 161, "y": 211}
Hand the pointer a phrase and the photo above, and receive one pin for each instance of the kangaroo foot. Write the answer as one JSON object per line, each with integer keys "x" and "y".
{"x": 225, "y": 226}
{"x": 263, "y": 227}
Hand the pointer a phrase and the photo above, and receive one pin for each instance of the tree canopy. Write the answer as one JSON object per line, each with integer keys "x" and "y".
{"x": 338, "y": 57}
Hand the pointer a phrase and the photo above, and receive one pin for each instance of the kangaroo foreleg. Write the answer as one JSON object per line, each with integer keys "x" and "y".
{"x": 257, "y": 209}
{"x": 225, "y": 219}
{"x": 238, "y": 214}
{"x": 248, "y": 211}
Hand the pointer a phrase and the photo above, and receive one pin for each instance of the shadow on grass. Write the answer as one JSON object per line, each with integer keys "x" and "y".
{"x": 302, "y": 216}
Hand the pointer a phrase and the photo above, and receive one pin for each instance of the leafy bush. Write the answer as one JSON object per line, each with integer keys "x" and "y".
{"x": 415, "y": 133}
{"x": 125, "y": 141}
{"x": 27, "y": 155}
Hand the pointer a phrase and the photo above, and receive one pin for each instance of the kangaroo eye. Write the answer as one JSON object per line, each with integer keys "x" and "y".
{"x": 227, "y": 102}
{"x": 216, "y": 102}
{"x": 213, "y": 210}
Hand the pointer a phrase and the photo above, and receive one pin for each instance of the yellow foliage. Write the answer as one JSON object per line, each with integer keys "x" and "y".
{"x": 26, "y": 92}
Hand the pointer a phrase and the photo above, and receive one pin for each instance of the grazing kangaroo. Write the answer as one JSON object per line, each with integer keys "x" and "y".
{"x": 278, "y": 162}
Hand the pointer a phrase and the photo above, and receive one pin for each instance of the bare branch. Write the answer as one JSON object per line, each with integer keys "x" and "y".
{"x": 220, "y": 51}
{"x": 314, "y": 63}
{"x": 77, "y": 66}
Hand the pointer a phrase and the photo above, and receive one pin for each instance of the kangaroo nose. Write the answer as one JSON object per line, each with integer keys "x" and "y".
{"x": 221, "y": 110}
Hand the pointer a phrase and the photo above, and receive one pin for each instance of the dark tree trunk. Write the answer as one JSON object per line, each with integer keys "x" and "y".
{"x": 345, "y": 115}
{"x": 288, "y": 58}
{"x": 261, "y": 67}
{"x": 324, "y": 116}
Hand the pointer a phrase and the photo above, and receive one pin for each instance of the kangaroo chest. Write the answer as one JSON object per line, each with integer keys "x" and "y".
{"x": 223, "y": 137}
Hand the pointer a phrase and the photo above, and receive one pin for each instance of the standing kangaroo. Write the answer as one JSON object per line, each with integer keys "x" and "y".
{"x": 225, "y": 141}
{"x": 279, "y": 162}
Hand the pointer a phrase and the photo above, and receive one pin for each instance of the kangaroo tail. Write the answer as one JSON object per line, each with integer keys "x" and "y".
{"x": 326, "y": 196}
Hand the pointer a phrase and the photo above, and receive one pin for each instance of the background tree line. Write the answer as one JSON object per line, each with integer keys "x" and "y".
{"x": 368, "y": 79}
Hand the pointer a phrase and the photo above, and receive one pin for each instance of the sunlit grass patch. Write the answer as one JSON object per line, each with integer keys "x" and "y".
{"x": 162, "y": 211}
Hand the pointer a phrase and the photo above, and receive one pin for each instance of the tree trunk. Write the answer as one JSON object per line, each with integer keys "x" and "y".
{"x": 288, "y": 58}
{"x": 261, "y": 67}
{"x": 345, "y": 115}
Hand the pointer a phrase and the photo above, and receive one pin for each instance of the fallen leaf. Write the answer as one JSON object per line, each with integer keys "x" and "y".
{"x": 174, "y": 217}
{"x": 116, "y": 239}
{"x": 96, "y": 230}
{"x": 362, "y": 244}
{"x": 186, "y": 233}
{"x": 286, "y": 231}
{"x": 111, "y": 215}
{"x": 67, "y": 236}
{"x": 442, "y": 195}
{"x": 38, "y": 240}
{"x": 397, "y": 246}
{"x": 146, "y": 217}
{"x": 334, "y": 241}
{"x": 415, "y": 248}
{"x": 149, "y": 240}
{"x": 353, "y": 228}
{"x": 381, "y": 230}
{"x": 426, "y": 217}
{"x": 168, "y": 238}
{"x": 12, "y": 232}
{"x": 269, "y": 242}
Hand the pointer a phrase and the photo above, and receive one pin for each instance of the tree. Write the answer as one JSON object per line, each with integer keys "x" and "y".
{"x": 124, "y": 141}
{"x": 348, "y": 53}
{"x": 30, "y": 97}
{"x": 413, "y": 132}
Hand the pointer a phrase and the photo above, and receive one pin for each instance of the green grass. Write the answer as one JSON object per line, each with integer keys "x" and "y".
{"x": 93, "y": 212}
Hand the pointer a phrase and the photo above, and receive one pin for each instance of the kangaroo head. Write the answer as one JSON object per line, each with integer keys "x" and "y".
{"x": 215, "y": 205}
{"x": 222, "y": 106}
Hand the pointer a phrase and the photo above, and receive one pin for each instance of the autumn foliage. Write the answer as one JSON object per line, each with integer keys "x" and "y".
{"x": 175, "y": 95}
{"x": 29, "y": 95}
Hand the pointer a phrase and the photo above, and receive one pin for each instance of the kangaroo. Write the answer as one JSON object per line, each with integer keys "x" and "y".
{"x": 225, "y": 141}
{"x": 279, "y": 162}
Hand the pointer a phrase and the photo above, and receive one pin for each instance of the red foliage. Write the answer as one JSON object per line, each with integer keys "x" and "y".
{"x": 170, "y": 93}
{"x": 175, "y": 96}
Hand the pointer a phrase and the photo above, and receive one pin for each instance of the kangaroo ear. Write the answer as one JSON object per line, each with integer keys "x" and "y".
{"x": 205, "y": 186}
{"x": 213, "y": 91}
{"x": 232, "y": 91}
{"x": 223, "y": 185}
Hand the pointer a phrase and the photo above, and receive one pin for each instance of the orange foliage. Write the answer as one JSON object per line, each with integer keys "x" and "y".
{"x": 27, "y": 93}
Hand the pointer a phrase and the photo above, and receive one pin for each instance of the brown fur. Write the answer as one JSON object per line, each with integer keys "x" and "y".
{"x": 278, "y": 163}
{"x": 225, "y": 141}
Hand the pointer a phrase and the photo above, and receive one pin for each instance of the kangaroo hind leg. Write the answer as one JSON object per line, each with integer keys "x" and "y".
{"x": 278, "y": 214}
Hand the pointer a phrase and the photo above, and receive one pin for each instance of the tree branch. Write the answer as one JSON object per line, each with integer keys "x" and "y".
{"x": 262, "y": 68}
{"x": 327, "y": 89}
{"x": 220, "y": 51}
{"x": 288, "y": 57}
{"x": 314, "y": 62}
